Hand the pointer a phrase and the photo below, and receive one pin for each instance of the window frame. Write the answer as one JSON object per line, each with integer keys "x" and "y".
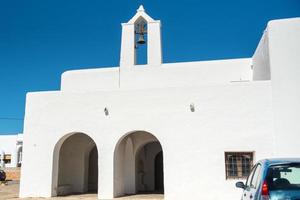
{"x": 240, "y": 168}
{"x": 7, "y": 158}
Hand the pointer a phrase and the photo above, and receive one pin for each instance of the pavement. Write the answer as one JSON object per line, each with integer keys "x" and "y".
{"x": 10, "y": 191}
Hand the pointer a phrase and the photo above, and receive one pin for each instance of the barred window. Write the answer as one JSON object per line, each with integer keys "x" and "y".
{"x": 238, "y": 164}
{"x": 7, "y": 158}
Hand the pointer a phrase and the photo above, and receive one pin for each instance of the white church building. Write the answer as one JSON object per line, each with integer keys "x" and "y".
{"x": 189, "y": 130}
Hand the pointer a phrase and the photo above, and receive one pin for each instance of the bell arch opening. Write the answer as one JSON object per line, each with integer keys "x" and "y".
{"x": 75, "y": 165}
{"x": 138, "y": 165}
{"x": 141, "y": 41}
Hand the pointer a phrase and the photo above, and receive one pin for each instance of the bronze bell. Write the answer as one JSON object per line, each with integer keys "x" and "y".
{"x": 141, "y": 39}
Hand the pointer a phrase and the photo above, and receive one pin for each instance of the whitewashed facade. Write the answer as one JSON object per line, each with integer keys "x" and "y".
{"x": 107, "y": 128}
{"x": 11, "y": 150}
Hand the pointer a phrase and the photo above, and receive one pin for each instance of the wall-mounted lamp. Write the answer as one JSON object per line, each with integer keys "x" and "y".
{"x": 192, "y": 107}
{"x": 106, "y": 111}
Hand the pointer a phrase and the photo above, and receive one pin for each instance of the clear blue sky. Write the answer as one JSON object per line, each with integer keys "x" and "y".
{"x": 40, "y": 39}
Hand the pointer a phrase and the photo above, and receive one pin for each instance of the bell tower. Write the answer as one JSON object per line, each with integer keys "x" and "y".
{"x": 141, "y": 30}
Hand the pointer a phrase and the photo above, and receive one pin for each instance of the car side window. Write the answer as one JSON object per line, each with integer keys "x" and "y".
{"x": 256, "y": 177}
{"x": 250, "y": 176}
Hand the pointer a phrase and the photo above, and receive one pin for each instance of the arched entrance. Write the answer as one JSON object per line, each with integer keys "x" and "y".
{"x": 76, "y": 163}
{"x": 138, "y": 165}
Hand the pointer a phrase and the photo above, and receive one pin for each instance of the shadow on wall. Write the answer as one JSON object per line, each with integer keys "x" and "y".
{"x": 75, "y": 169}
{"x": 138, "y": 165}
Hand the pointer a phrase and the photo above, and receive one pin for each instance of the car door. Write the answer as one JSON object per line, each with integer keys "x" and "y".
{"x": 255, "y": 183}
{"x": 247, "y": 190}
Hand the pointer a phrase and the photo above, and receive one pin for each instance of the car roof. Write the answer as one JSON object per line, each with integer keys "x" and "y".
{"x": 274, "y": 161}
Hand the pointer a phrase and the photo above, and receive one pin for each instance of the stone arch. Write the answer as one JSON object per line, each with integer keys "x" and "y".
{"x": 75, "y": 165}
{"x": 141, "y": 41}
{"x": 134, "y": 163}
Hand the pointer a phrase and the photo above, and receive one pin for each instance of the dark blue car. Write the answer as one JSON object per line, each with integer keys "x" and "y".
{"x": 273, "y": 179}
{"x": 2, "y": 175}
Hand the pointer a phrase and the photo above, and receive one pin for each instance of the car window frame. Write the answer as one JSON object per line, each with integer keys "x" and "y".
{"x": 248, "y": 181}
{"x": 254, "y": 186}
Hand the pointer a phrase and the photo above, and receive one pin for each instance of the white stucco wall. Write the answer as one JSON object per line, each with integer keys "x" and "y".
{"x": 187, "y": 74}
{"x": 261, "y": 59}
{"x": 92, "y": 79}
{"x": 285, "y": 72}
{"x": 227, "y": 114}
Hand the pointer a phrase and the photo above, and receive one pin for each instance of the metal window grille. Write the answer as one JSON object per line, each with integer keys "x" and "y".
{"x": 7, "y": 158}
{"x": 238, "y": 164}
